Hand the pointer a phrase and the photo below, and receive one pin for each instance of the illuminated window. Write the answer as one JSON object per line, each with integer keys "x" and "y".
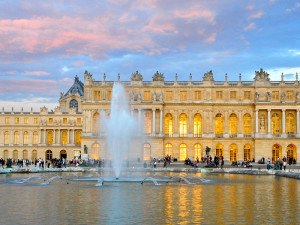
{"x": 50, "y": 120}
{"x": 183, "y": 95}
{"x": 78, "y": 120}
{"x": 275, "y": 95}
{"x": 5, "y": 155}
{"x": 35, "y": 120}
{"x": 48, "y": 155}
{"x": 6, "y": 138}
{"x": 197, "y": 95}
{"x": 96, "y": 122}
{"x": 233, "y": 95}
{"x": 233, "y": 124}
{"x": 15, "y": 155}
{"x": 219, "y": 95}
{"x": 25, "y": 154}
{"x": 290, "y": 96}
{"x": 65, "y": 120}
{"x": 182, "y": 125}
{"x": 50, "y": 137}
{"x": 197, "y": 125}
{"x": 290, "y": 124}
{"x": 97, "y": 95}
{"x": 7, "y": 120}
{"x": 34, "y": 155}
{"x": 247, "y": 152}
{"x": 64, "y": 137}
{"x": 147, "y": 122}
{"x": 147, "y": 152}
{"x": 169, "y": 95}
{"x": 291, "y": 152}
{"x": 276, "y": 152}
{"x": 147, "y": 96}
{"x": 219, "y": 124}
{"x": 17, "y": 120}
{"x": 219, "y": 150}
{"x": 182, "y": 152}
{"x": 25, "y": 138}
{"x": 168, "y": 150}
{"x": 96, "y": 151}
{"x": 16, "y": 138}
{"x": 276, "y": 125}
{"x": 247, "y": 124}
{"x": 26, "y": 120}
{"x": 247, "y": 95}
{"x": 108, "y": 95}
{"x": 78, "y": 137}
{"x": 169, "y": 124}
{"x": 233, "y": 153}
{"x": 197, "y": 151}
{"x": 35, "y": 138}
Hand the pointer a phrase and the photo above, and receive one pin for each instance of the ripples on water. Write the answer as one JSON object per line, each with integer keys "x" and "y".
{"x": 228, "y": 199}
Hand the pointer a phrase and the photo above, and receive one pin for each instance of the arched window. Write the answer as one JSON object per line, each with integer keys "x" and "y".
{"x": 169, "y": 124}
{"x": 147, "y": 152}
{"x": 96, "y": 151}
{"x": 147, "y": 122}
{"x": 35, "y": 140}
{"x": 25, "y": 154}
{"x": 6, "y": 138}
{"x": 168, "y": 150}
{"x": 233, "y": 125}
{"x": 63, "y": 154}
{"x": 74, "y": 104}
{"x": 219, "y": 124}
{"x": 50, "y": 137}
{"x": 219, "y": 150}
{"x": 233, "y": 153}
{"x": 96, "y": 124}
{"x": 48, "y": 155}
{"x": 197, "y": 125}
{"x": 16, "y": 138}
{"x": 247, "y": 152}
{"x": 197, "y": 151}
{"x": 182, "y": 125}
{"x": 290, "y": 124}
{"x": 182, "y": 152}
{"x": 5, "y": 155}
{"x": 15, "y": 154}
{"x": 276, "y": 152}
{"x": 247, "y": 124}
{"x": 78, "y": 137}
{"x": 291, "y": 152}
{"x": 64, "y": 137}
{"x": 34, "y": 155}
{"x": 25, "y": 138}
{"x": 276, "y": 126}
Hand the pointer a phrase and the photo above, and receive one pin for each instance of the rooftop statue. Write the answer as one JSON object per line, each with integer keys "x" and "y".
{"x": 158, "y": 76}
{"x": 261, "y": 75}
{"x": 208, "y": 76}
{"x": 136, "y": 76}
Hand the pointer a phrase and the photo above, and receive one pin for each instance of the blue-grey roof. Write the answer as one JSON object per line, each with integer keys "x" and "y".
{"x": 76, "y": 88}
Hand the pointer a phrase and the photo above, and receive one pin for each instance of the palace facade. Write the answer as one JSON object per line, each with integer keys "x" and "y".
{"x": 239, "y": 120}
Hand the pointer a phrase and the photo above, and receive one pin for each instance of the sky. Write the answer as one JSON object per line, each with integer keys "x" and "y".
{"x": 45, "y": 44}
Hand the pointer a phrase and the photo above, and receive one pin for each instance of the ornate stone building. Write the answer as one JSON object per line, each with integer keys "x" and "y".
{"x": 237, "y": 119}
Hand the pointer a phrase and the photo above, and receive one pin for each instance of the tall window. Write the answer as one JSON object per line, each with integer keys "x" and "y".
{"x": 247, "y": 152}
{"x": 182, "y": 125}
{"x": 65, "y": 120}
{"x": 74, "y": 104}
{"x": 25, "y": 138}
{"x": 7, "y": 120}
{"x": 291, "y": 152}
{"x": 169, "y": 124}
{"x": 168, "y": 150}
{"x": 276, "y": 152}
{"x": 247, "y": 95}
{"x": 183, "y": 95}
{"x": 34, "y": 155}
{"x": 78, "y": 120}
{"x": 17, "y": 120}
{"x": 96, "y": 151}
{"x": 50, "y": 137}
{"x": 15, "y": 155}
{"x": 108, "y": 95}
{"x": 147, "y": 122}
{"x": 35, "y": 120}
{"x": 64, "y": 137}
{"x": 233, "y": 124}
{"x": 232, "y": 95}
{"x": 219, "y": 95}
{"x": 16, "y": 138}
{"x": 147, "y": 96}
{"x": 5, "y": 155}
{"x": 219, "y": 150}
{"x": 35, "y": 138}
{"x": 25, "y": 154}
{"x": 78, "y": 137}
{"x": 6, "y": 138}
{"x": 219, "y": 124}
{"x": 247, "y": 124}
{"x": 50, "y": 120}
{"x": 182, "y": 152}
{"x": 197, "y": 151}
{"x": 197, "y": 125}
{"x": 290, "y": 96}
{"x": 275, "y": 95}
{"x": 290, "y": 124}
{"x": 197, "y": 95}
{"x": 95, "y": 122}
{"x": 169, "y": 95}
{"x": 48, "y": 155}
{"x": 147, "y": 152}
{"x": 97, "y": 95}
{"x": 26, "y": 120}
{"x": 233, "y": 153}
{"x": 276, "y": 126}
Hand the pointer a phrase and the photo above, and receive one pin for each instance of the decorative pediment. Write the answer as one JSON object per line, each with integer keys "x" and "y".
{"x": 136, "y": 76}
{"x": 208, "y": 76}
{"x": 261, "y": 75}
{"x": 158, "y": 76}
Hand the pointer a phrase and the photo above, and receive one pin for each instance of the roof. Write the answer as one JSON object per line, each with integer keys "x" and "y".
{"x": 76, "y": 88}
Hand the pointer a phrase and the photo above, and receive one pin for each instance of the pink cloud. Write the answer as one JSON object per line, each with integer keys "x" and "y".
{"x": 256, "y": 15}
{"x": 28, "y": 86}
{"x": 37, "y": 73}
{"x": 250, "y": 27}
{"x": 195, "y": 14}
{"x": 79, "y": 63}
{"x": 211, "y": 38}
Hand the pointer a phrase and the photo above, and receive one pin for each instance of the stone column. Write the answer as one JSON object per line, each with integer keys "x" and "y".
{"x": 283, "y": 122}
{"x": 269, "y": 122}
{"x": 40, "y": 137}
{"x": 54, "y": 136}
{"x": 139, "y": 121}
{"x": 59, "y": 136}
{"x": 256, "y": 121}
{"x": 297, "y": 123}
{"x": 68, "y": 136}
{"x": 161, "y": 123}
{"x": 153, "y": 122}
{"x": 74, "y": 141}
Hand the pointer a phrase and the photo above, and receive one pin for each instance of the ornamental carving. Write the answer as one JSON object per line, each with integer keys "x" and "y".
{"x": 261, "y": 75}
{"x": 136, "y": 76}
{"x": 158, "y": 76}
{"x": 208, "y": 76}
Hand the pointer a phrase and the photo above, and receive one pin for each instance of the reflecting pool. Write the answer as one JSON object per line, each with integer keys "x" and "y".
{"x": 209, "y": 199}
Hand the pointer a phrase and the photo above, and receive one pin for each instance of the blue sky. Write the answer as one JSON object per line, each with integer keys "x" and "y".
{"x": 44, "y": 44}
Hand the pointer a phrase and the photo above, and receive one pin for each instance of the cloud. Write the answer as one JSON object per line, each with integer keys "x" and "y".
{"x": 28, "y": 86}
{"x": 289, "y": 73}
{"x": 256, "y": 15}
{"x": 250, "y": 27}
{"x": 79, "y": 63}
{"x": 37, "y": 73}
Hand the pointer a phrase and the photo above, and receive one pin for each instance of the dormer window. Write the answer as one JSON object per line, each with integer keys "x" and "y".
{"x": 74, "y": 104}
